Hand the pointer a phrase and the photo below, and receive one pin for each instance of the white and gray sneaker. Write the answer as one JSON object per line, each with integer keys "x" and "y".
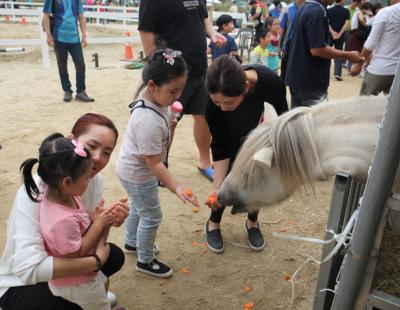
{"x": 155, "y": 268}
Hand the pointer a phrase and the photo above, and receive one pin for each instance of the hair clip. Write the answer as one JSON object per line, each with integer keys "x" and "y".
{"x": 79, "y": 148}
{"x": 170, "y": 55}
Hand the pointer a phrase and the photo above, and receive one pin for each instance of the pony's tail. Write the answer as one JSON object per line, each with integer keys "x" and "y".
{"x": 31, "y": 188}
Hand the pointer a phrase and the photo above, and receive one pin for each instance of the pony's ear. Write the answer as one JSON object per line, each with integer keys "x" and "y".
{"x": 264, "y": 156}
{"x": 269, "y": 112}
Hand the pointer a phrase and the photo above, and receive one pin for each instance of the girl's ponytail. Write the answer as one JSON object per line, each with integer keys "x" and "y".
{"x": 31, "y": 188}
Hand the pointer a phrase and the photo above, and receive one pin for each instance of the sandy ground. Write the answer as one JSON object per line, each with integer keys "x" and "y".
{"x": 31, "y": 108}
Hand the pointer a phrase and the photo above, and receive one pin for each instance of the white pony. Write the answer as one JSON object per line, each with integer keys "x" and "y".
{"x": 301, "y": 146}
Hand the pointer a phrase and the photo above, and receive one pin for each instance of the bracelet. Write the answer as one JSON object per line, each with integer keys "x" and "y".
{"x": 98, "y": 261}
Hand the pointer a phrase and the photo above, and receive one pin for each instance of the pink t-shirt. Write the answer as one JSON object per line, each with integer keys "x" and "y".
{"x": 62, "y": 229}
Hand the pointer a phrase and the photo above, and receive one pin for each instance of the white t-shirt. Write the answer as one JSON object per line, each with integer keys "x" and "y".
{"x": 147, "y": 133}
{"x": 25, "y": 260}
{"x": 355, "y": 21}
{"x": 384, "y": 41}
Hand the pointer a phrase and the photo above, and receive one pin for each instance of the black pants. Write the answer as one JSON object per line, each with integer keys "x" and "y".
{"x": 39, "y": 296}
{"x": 216, "y": 216}
{"x": 303, "y": 98}
{"x": 61, "y": 50}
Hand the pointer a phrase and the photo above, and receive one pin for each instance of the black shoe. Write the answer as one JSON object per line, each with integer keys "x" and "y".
{"x": 67, "y": 96}
{"x": 82, "y": 96}
{"x": 338, "y": 78}
{"x": 256, "y": 239}
{"x": 132, "y": 250}
{"x": 214, "y": 240}
{"x": 155, "y": 268}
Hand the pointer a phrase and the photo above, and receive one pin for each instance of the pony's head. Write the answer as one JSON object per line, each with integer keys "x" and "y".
{"x": 277, "y": 157}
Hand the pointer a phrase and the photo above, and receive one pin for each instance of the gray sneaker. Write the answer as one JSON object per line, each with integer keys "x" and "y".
{"x": 67, "y": 96}
{"x": 214, "y": 240}
{"x": 82, "y": 96}
{"x": 256, "y": 239}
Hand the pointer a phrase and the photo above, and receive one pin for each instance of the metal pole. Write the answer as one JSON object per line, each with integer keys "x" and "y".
{"x": 379, "y": 183}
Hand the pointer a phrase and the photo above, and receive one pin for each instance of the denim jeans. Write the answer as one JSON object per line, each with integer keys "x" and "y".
{"x": 338, "y": 44}
{"x": 144, "y": 218}
{"x": 61, "y": 50}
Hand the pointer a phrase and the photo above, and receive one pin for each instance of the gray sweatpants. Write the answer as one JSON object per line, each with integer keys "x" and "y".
{"x": 374, "y": 84}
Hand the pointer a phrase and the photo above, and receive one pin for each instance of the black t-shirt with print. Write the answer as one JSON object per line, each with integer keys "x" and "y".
{"x": 180, "y": 23}
{"x": 304, "y": 71}
{"x": 230, "y": 129}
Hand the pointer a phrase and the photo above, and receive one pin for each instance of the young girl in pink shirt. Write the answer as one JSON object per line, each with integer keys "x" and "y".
{"x": 65, "y": 166}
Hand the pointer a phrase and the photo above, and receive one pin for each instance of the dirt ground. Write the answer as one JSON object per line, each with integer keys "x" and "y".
{"x": 31, "y": 108}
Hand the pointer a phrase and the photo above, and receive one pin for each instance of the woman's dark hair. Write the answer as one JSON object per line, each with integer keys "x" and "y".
{"x": 162, "y": 66}
{"x": 226, "y": 76}
{"x": 57, "y": 160}
{"x": 88, "y": 119}
{"x": 262, "y": 33}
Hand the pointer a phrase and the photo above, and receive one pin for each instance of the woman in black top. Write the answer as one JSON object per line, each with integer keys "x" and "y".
{"x": 235, "y": 107}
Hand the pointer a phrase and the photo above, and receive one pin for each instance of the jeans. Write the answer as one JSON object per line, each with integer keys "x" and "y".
{"x": 61, "y": 50}
{"x": 301, "y": 98}
{"x": 338, "y": 44}
{"x": 144, "y": 218}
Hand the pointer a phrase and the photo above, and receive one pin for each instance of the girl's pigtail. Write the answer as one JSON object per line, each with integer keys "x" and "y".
{"x": 31, "y": 188}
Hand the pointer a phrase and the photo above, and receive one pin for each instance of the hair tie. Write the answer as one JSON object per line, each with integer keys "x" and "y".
{"x": 79, "y": 148}
{"x": 170, "y": 55}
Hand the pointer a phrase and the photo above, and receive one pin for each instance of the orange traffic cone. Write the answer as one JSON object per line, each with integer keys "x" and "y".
{"x": 23, "y": 21}
{"x": 7, "y": 18}
{"x": 128, "y": 55}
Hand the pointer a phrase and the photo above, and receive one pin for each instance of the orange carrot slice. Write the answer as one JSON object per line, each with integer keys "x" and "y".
{"x": 286, "y": 276}
{"x": 189, "y": 192}
{"x": 185, "y": 270}
{"x": 247, "y": 289}
{"x": 195, "y": 209}
{"x": 249, "y": 305}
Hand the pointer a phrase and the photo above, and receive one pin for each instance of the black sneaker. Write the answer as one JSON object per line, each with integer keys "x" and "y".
{"x": 82, "y": 96}
{"x": 155, "y": 268}
{"x": 256, "y": 239}
{"x": 132, "y": 250}
{"x": 67, "y": 96}
{"x": 214, "y": 240}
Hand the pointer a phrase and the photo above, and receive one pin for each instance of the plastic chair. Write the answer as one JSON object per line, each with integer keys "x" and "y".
{"x": 245, "y": 40}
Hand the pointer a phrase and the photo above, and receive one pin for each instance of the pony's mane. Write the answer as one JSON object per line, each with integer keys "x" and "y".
{"x": 292, "y": 139}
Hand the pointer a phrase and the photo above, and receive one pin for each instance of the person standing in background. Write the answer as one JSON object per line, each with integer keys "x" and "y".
{"x": 384, "y": 43}
{"x": 63, "y": 34}
{"x": 183, "y": 26}
{"x": 338, "y": 22}
{"x": 307, "y": 72}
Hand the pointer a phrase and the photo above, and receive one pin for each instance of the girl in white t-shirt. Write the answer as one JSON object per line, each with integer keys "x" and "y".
{"x": 67, "y": 229}
{"x": 143, "y": 154}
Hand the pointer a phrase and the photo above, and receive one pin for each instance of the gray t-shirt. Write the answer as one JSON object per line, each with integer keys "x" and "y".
{"x": 147, "y": 134}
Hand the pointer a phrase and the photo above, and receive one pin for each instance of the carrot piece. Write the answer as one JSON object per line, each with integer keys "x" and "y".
{"x": 211, "y": 200}
{"x": 189, "y": 192}
{"x": 185, "y": 270}
{"x": 248, "y": 289}
{"x": 195, "y": 209}
{"x": 286, "y": 276}
{"x": 249, "y": 305}
{"x": 194, "y": 243}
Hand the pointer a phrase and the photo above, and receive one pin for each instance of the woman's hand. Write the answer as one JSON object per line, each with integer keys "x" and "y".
{"x": 120, "y": 211}
{"x": 186, "y": 195}
{"x": 103, "y": 250}
{"x": 212, "y": 201}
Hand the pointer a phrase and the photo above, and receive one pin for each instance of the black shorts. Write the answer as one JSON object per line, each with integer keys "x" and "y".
{"x": 194, "y": 96}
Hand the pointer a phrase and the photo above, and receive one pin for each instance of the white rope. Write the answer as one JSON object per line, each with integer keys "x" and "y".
{"x": 341, "y": 239}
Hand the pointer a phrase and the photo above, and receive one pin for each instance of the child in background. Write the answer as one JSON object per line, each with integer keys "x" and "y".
{"x": 259, "y": 55}
{"x": 225, "y": 26}
{"x": 273, "y": 47}
{"x": 66, "y": 166}
{"x": 143, "y": 153}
